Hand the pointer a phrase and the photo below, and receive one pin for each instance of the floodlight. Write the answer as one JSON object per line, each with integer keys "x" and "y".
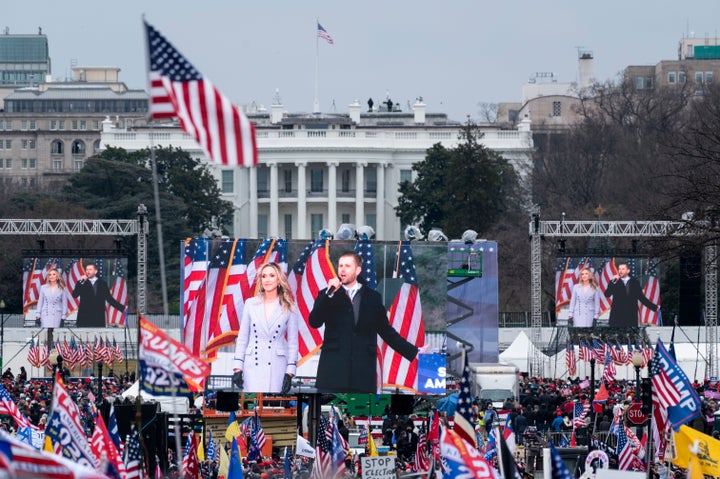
{"x": 436, "y": 234}
{"x": 325, "y": 234}
{"x": 469, "y": 236}
{"x": 345, "y": 232}
{"x": 412, "y": 233}
{"x": 365, "y": 232}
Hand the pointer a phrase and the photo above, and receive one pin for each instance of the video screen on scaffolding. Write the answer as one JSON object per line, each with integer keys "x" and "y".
{"x": 391, "y": 338}
{"x": 619, "y": 292}
{"x": 75, "y": 292}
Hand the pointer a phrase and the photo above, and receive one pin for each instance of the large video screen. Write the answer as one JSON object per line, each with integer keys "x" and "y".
{"x": 390, "y": 337}
{"x": 602, "y": 291}
{"x": 75, "y": 292}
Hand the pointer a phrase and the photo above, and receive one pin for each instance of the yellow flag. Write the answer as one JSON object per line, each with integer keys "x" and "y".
{"x": 233, "y": 431}
{"x": 371, "y": 447}
{"x": 224, "y": 465}
{"x": 201, "y": 449}
{"x": 705, "y": 459}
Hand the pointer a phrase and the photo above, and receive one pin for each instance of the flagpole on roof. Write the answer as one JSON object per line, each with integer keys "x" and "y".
{"x": 316, "y": 101}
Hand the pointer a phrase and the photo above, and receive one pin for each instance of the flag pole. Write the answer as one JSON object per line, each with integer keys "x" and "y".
{"x": 316, "y": 102}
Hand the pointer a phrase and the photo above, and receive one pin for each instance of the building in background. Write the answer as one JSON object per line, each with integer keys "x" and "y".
{"x": 319, "y": 171}
{"x": 24, "y": 61}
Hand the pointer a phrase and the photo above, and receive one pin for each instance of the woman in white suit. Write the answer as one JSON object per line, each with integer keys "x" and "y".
{"x": 52, "y": 303}
{"x": 266, "y": 350}
{"x": 585, "y": 301}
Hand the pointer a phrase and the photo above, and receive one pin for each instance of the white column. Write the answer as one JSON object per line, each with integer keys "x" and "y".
{"x": 273, "y": 222}
{"x": 302, "y": 202}
{"x": 332, "y": 196}
{"x": 380, "y": 202}
{"x": 253, "y": 203}
{"x": 360, "y": 193}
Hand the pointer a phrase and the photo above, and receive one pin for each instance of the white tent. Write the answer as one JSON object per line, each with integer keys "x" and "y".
{"x": 173, "y": 405}
{"x": 521, "y": 352}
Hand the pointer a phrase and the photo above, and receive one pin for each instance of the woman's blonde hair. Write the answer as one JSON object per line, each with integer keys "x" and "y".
{"x": 287, "y": 301}
{"x": 593, "y": 281}
{"x": 60, "y": 280}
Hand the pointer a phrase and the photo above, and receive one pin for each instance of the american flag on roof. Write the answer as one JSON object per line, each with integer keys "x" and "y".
{"x": 179, "y": 90}
{"x": 405, "y": 315}
{"x": 651, "y": 290}
{"x": 224, "y": 329}
{"x": 322, "y": 33}
{"x": 118, "y": 291}
{"x": 309, "y": 275}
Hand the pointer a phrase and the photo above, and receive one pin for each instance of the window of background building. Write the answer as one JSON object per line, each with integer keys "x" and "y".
{"x": 23, "y": 164}
{"x": 96, "y": 146}
{"x": 405, "y": 175}
{"x": 345, "y": 180}
{"x": 96, "y": 126}
{"x": 316, "y": 224}
{"x": 556, "y": 108}
{"x": 23, "y": 144}
{"x": 78, "y": 147}
{"x": 262, "y": 180}
{"x": 262, "y": 226}
{"x": 681, "y": 78}
{"x": 33, "y": 125}
{"x": 32, "y": 163}
{"x": 8, "y": 125}
{"x": 371, "y": 220}
{"x": 287, "y": 176}
{"x": 316, "y": 180}
{"x": 230, "y": 225}
{"x": 61, "y": 125}
{"x": 345, "y": 218}
{"x": 83, "y": 125}
{"x": 639, "y": 83}
{"x": 228, "y": 184}
{"x": 8, "y": 144}
{"x": 288, "y": 226}
{"x": 78, "y": 164}
{"x": 708, "y": 77}
{"x": 8, "y": 163}
{"x": 23, "y": 125}
{"x": 57, "y": 147}
{"x": 53, "y": 124}
{"x": 31, "y": 144}
{"x": 371, "y": 180}
{"x": 57, "y": 164}
{"x": 671, "y": 78}
{"x": 2, "y": 163}
{"x": 699, "y": 77}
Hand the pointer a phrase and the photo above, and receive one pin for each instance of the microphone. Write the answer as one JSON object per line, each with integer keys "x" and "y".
{"x": 332, "y": 291}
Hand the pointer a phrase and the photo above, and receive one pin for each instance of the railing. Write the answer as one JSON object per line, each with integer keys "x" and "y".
{"x": 522, "y": 319}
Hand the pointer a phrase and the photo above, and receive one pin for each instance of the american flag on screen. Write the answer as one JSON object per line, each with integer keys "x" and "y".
{"x": 310, "y": 274}
{"x": 405, "y": 316}
{"x": 651, "y": 290}
{"x": 72, "y": 276}
{"x": 177, "y": 89}
{"x": 322, "y": 33}
{"x": 604, "y": 277}
{"x": 196, "y": 259}
{"x": 32, "y": 281}
{"x": 118, "y": 291}
{"x": 364, "y": 248}
{"x": 33, "y": 356}
{"x": 564, "y": 281}
{"x": 224, "y": 328}
{"x": 209, "y": 299}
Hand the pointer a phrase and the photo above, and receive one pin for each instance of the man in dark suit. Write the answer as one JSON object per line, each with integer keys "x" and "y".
{"x": 93, "y": 293}
{"x": 626, "y": 292}
{"x": 354, "y": 316}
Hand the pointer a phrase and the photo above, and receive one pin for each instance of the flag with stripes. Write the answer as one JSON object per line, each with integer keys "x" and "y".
{"x": 224, "y": 329}
{"x": 618, "y": 354}
{"x": 209, "y": 299}
{"x": 257, "y": 438}
{"x": 33, "y": 279}
{"x": 669, "y": 382}
{"x": 322, "y": 33}
{"x": 364, "y": 248}
{"x": 72, "y": 276}
{"x": 103, "y": 446}
{"x": 191, "y": 461}
{"x": 585, "y": 351}
{"x": 570, "y": 361}
{"x": 564, "y": 281}
{"x": 309, "y": 275}
{"x": 133, "y": 455}
{"x": 651, "y": 290}
{"x": 609, "y": 371}
{"x": 603, "y": 277}
{"x": 463, "y": 421}
{"x": 405, "y": 316}
{"x": 662, "y": 386}
{"x": 270, "y": 250}
{"x": 178, "y": 90}
{"x": 195, "y": 265}
{"x": 580, "y": 410}
{"x": 8, "y": 407}
{"x": 624, "y": 450}
{"x": 462, "y": 459}
{"x": 119, "y": 291}
{"x": 33, "y": 356}
{"x": 322, "y": 469}
{"x": 339, "y": 445}
{"x": 599, "y": 350}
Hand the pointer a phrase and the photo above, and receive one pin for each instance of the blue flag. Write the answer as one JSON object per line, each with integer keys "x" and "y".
{"x": 672, "y": 379}
{"x": 287, "y": 469}
{"x": 559, "y": 469}
{"x": 235, "y": 470}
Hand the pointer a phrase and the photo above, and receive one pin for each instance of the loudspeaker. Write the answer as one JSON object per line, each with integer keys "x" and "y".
{"x": 227, "y": 401}
{"x": 690, "y": 313}
{"x": 402, "y": 404}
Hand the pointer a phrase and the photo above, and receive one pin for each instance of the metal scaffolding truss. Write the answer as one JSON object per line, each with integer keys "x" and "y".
{"x": 629, "y": 229}
{"x": 70, "y": 227}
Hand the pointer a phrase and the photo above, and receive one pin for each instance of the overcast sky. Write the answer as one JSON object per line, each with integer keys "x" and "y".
{"x": 455, "y": 54}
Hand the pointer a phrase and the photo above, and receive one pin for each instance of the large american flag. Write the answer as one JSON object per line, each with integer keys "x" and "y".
{"x": 224, "y": 329}
{"x": 177, "y": 89}
{"x": 604, "y": 277}
{"x": 405, "y": 316}
{"x": 580, "y": 411}
{"x": 663, "y": 392}
{"x": 195, "y": 265}
{"x": 133, "y": 455}
{"x": 323, "y": 467}
{"x": 322, "y": 33}
{"x": 32, "y": 281}
{"x": 118, "y": 291}
{"x": 8, "y": 406}
{"x": 309, "y": 275}
{"x": 651, "y": 290}
{"x": 564, "y": 281}
{"x": 208, "y": 301}
{"x": 72, "y": 276}
{"x": 463, "y": 420}
{"x": 624, "y": 450}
